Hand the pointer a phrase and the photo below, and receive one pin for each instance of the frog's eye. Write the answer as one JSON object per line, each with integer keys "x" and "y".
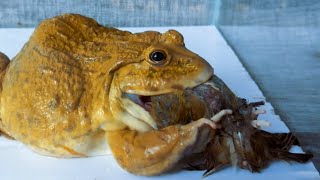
{"x": 157, "y": 56}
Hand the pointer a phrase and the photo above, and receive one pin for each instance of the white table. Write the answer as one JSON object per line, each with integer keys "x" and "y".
{"x": 18, "y": 162}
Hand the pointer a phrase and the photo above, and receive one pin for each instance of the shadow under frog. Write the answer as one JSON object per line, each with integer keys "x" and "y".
{"x": 68, "y": 93}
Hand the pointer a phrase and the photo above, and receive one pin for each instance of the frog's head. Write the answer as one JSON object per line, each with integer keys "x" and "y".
{"x": 164, "y": 66}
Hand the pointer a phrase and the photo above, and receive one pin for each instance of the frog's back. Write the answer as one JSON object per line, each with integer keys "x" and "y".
{"x": 46, "y": 93}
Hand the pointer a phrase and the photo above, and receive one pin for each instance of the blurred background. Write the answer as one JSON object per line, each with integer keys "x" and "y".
{"x": 278, "y": 41}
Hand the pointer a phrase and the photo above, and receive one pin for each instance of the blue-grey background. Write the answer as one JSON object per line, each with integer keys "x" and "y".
{"x": 278, "y": 41}
{"x": 28, "y": 13}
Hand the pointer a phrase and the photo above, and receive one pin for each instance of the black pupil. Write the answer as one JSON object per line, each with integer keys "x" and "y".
{"x": 157, "y": 56}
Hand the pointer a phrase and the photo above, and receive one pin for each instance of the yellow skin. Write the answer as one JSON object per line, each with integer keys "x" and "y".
{"x": 64, "y": 94}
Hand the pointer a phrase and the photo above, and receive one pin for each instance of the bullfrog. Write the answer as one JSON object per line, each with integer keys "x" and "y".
{"x": 80, "y": 89}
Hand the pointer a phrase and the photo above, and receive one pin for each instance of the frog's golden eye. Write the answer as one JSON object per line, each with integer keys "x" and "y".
{"x": 157, "y": 56}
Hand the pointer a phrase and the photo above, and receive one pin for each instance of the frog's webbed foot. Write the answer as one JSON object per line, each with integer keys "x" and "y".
{"x": 156, "y": 152}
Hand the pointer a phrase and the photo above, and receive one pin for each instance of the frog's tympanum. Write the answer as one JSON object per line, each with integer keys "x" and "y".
{"x": 78, "y": 89}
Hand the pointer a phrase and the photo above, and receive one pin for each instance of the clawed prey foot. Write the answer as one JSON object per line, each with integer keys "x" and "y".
{"x": 255, "y": 123}
{"x": 259, "y": 123}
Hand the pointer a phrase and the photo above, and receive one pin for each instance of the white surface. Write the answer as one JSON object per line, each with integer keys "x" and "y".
{"x": 18, "y": 162}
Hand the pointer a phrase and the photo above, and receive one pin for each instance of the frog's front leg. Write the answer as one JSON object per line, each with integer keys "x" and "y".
{"x": 156, "y": 152}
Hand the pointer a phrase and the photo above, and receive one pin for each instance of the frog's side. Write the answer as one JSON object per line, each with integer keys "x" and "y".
{"x": 66, "y": 94}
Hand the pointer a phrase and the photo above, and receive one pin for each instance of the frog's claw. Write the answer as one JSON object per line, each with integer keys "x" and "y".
{"x": 155, "y": 152}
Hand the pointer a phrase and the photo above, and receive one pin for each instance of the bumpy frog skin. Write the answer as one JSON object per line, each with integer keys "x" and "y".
{"x": 66, "y": 94}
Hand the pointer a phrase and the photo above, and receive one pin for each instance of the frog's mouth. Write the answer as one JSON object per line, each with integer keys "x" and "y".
{"x": 140, "y": 108}
{"x": 142, "y": 101}
{"x": 135, "y": 112}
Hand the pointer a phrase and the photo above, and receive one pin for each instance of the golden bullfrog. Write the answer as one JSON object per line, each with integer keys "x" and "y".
{"x": 68, "y": 93}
